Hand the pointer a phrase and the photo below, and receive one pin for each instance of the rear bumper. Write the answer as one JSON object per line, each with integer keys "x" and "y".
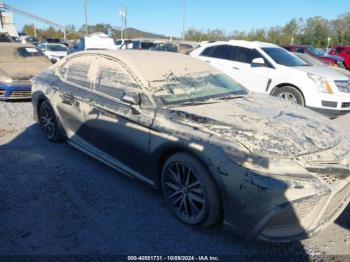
{"x": 16, "y": 90}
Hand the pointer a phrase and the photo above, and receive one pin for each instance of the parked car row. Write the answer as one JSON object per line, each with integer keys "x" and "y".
{"x": 344, "y": 52}
{"x": 333, "y": 60}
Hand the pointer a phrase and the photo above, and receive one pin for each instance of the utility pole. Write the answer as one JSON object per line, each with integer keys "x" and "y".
{"x": 328, "y": 40}
{"x": 184, "y": 22}
{"x": 86, "y": 22}
{"x": 122, "y": 13}
{"x": 1, "y": 18}
{"x": 34, "y": 29}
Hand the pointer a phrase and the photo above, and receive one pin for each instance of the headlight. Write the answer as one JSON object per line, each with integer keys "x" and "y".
{"x": 264, "y": 164}
{"x": 322, "y": 84}
{"x": 4, "y": 78}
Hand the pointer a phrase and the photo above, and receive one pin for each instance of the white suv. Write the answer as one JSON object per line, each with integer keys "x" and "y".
{"x": 270, "y": 69}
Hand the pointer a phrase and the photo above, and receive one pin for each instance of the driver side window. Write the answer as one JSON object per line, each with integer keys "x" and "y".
{"x": 113, "y": 78}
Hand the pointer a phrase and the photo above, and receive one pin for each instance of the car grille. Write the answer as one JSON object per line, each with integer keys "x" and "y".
{"x": 345, "y": 105}
{"x": 21, "y": 78}
{"x": 337, "y": 201}
{"x": 294, "y": 213}
{"x": 343, "y": 85}
{"x": 19, "y": 94}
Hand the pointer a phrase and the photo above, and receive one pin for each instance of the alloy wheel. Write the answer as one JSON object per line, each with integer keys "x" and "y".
{"x": 288, "y": 97}
{"x": 47, "y": 121}
{"x": 184, "y": 192}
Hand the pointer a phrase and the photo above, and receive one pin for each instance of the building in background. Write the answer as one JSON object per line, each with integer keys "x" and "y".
{"x": 7, "y": 24}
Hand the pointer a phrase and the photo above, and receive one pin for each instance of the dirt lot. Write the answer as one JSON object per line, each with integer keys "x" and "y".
{"x": 56, "y": 200}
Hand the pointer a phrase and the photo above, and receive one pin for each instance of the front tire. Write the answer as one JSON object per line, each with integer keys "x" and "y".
{"x": 48, "y": 122}
{"x": 190, "y": 191}
{"x": 290, "y": 94}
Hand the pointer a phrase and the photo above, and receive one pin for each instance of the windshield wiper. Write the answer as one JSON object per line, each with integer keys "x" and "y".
{"x": 229, "y": 97}
{"x": 210, "y": 101}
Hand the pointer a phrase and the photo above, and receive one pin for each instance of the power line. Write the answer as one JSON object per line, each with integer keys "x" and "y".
{"x": 36, "y": 18}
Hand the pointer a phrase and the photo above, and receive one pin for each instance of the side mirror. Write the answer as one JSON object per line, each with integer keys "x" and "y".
{"x": 134, "y": 100}
{"x": 259, "y": 61}
{"x": 131, "y": 98}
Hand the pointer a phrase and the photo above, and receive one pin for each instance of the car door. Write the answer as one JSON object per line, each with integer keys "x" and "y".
{"x": 74, "y": 81}
{"x": 117, "y": 117}
{"x": 255, "y": 77}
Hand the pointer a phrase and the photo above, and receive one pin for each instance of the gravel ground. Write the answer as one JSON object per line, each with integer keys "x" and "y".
{"x": 56, "y": 200}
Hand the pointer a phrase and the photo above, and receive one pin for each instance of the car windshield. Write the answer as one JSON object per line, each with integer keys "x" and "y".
{"x": 315, "y": 51}
{"x": 197, "y": 88}
{"x": 283, "y": 57}
{"x": 56, "y": 48}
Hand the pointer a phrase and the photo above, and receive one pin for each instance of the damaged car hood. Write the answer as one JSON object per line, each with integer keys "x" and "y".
{"x": 262, "y": 124}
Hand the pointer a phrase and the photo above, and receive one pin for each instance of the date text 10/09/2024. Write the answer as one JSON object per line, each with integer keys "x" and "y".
{"x": 173, "y": 258}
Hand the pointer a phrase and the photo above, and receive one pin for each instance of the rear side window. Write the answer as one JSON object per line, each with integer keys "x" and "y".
{"x": 207, "y": 51}
{"x": 77, "y": 69}
{"x": 348, "y": 52}
{"x": 113, "y": 78}
{"x": 227, "y": 52}
{"x": 246, "y": 55}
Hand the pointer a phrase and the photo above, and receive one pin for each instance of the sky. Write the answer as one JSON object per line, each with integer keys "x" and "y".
{"x": 166, "y": 16}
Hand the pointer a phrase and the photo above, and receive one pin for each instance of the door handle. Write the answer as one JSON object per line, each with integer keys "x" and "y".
{"x": 208, "y": 61}
{"x": 235, "y": 68}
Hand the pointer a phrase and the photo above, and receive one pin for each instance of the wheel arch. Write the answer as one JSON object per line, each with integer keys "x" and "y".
{"x": 284, "y": 85}
{"x": 167, "y": 151}
{"x": 37, "y": 99}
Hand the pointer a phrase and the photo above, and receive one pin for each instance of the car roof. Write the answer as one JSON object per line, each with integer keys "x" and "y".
{"x": 151, "y": 66}
{"x": 298, "y": 46}
{"x": 242, "y": 43}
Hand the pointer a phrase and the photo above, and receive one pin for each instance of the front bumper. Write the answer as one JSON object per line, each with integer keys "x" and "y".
{"x": 16, "y": 90}
{"x": 317, "y": 212}
{"x": 331, "y": 105}
{"x": 331, "y": 113}
{"x": 267, "y": 208}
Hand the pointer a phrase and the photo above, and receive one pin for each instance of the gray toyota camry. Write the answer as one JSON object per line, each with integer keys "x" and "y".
{"x": 260, "y": 166}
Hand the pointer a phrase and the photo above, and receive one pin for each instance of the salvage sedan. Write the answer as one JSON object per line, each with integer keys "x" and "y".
{"x": 262, "y": 167}
{"x": 18, "y": 64}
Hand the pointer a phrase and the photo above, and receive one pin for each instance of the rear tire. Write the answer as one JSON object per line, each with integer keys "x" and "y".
{"x": 290, "y": 94}
{"x": 190, "y": 191}
{"x": 48, "y": 122}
